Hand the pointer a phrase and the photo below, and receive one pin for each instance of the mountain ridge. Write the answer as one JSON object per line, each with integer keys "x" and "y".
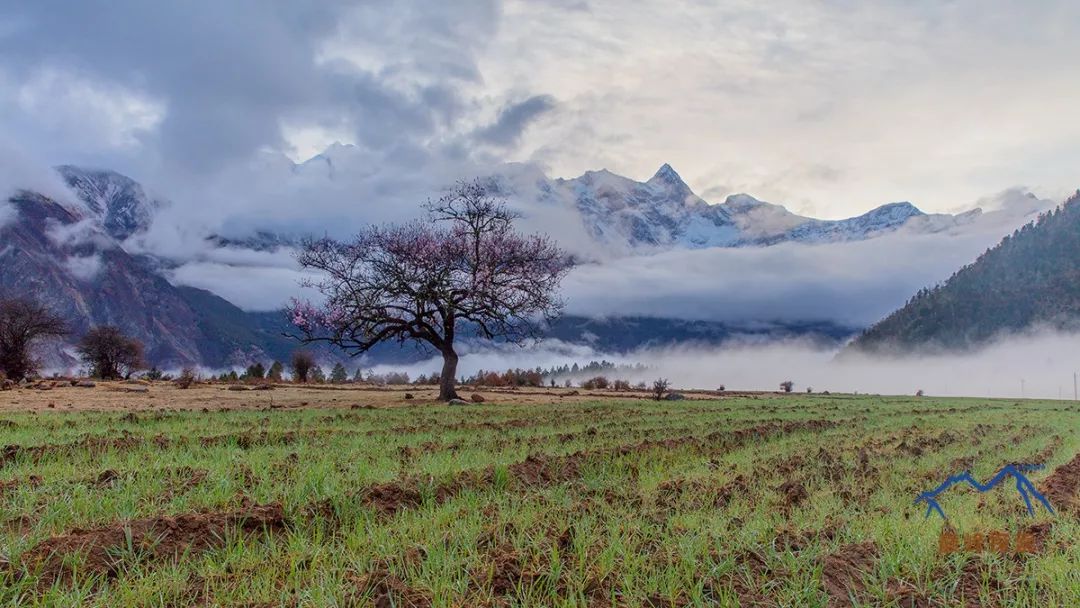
{"x": 1031, "y": 278}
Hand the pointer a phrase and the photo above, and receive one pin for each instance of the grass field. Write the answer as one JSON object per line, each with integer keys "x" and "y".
{"x": 799, "y": 500}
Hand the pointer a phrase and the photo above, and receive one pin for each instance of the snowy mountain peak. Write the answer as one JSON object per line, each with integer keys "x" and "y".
{"x": 897, "y": 211}
{"x": 117, "y": 201}
{"x": 667, "y": 176}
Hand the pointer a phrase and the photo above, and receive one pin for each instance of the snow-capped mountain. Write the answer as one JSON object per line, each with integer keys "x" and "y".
{"x": 119, "y": 203}
{"x": 664, "y": 212}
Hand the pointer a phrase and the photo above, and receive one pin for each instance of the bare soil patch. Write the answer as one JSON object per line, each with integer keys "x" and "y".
{"x": 1063, "y": 485}
{"x": 844, "y": 572}
{"x": 107, "y": 550}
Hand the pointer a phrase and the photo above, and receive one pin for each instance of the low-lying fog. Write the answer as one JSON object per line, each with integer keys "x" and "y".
{"x": 1034, "y": 365}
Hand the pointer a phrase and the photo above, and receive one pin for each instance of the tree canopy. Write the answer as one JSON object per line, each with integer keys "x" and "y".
{"x": 466, "y": 269}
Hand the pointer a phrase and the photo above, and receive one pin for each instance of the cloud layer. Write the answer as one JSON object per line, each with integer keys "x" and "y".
{"x": 1036, "y": 365}
{"x": 830, "y": 107}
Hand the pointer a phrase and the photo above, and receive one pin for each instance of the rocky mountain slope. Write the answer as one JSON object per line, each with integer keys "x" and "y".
{"x": 1032, "y": 278}
{"x": 68, "y": 256}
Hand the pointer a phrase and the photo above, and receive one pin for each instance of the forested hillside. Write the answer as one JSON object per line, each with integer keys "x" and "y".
{"x": 1031, "y": 278}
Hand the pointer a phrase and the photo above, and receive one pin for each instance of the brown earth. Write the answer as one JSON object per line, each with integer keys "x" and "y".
{"x": 150, "y": 539}
{"x": 116, "y": 396}
{"x": 1063, "y": 485}
{"x": 385, "y": 589}
{"x": 844, "y": 571}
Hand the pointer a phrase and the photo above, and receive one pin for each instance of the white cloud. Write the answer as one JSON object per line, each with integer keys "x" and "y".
{"x": 87, "y": 110}
{"x": 85, "y": 268}
{"x": 1040, "y": 364}
{"x": 21, "y": 171}
{"x": 256, "y": 288}
{"x": 1035, "y": 365}
{"x": 831, "y": 106}
{"x": 7, "y": 213}
{"x": 853, "y": 283}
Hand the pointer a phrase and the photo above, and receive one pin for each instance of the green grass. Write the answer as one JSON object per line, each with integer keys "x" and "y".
{"x": 698, "y": 522}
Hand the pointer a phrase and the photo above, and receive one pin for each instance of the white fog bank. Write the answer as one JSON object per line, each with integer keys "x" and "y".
{"x": 1039, "y": 365}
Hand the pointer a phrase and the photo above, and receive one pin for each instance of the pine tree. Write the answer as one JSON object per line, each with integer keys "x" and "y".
{"x": 255, "y": 371}
{"x": 276, "y": 371}
{"x": 338, "y": 375}
{"x": 317, "y": 375}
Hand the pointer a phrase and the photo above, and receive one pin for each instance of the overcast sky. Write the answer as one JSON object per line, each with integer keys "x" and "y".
{"x": 831, "y": 107}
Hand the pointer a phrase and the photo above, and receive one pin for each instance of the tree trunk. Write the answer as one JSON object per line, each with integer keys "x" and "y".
{"x": 449, "y": 375}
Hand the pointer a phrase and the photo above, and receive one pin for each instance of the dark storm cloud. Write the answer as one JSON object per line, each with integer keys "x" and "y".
{"x": 229, "y": 74}
{"x": 514, "y": 118}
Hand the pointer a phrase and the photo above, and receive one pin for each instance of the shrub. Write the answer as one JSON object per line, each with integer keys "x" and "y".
{"x": 154, "y": 374}
{"x": 787, "y": 386}
{"x": 23, "y": 323}
{"x": 621, "y": 385}
{"x": 660, "y": 388}
{"x": 595, "y": 383}
{"x": 302, "y": 362}
{"x": 186, "y": 379}
{"x": 109, "y": 354}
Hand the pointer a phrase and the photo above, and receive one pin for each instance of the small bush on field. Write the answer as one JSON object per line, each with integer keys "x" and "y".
{"x": 432, "y": 380}
{"x": 186, "y": 379}
{"x": 787, "y": 386}
{"x": 621, "y": 385}
{"x": 302, "y": 362}
{"x": 595, "y": 383}
{"x": 660, "y": 388}
{"x": 109, "y": 354}
{"x": 510, "y": 377}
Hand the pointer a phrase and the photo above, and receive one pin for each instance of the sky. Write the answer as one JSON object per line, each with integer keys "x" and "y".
{"x": 830, "y": 107}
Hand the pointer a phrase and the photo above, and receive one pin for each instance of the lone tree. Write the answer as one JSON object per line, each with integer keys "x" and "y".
{"x": 302, "y": 362}
{"x": 109, "y": 354}
{"x": 23, "y": 322}
{"x": 466, "y": 271}
{"x": 660, "y": 388}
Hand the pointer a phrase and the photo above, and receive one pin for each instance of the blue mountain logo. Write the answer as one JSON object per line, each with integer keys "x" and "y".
{"x": 1016, "y": 471}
